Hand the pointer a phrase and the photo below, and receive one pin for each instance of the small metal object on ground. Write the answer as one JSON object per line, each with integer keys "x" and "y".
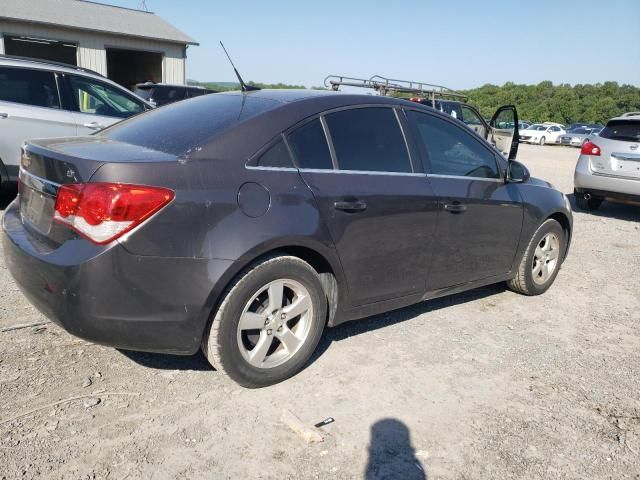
{"x": 324, "y": 422}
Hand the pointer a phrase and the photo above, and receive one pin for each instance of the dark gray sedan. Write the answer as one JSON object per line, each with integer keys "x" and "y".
{"x": 247, "y": 223}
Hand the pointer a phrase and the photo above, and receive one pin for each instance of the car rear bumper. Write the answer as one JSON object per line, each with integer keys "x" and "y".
{"x": 109, "y": 296}
{"x": 585, "y": 180}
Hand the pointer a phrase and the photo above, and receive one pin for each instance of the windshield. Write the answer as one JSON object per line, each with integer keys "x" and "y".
{"x": 626, "y": 130}
{"x": 537, "y": 127}
{"x": 580, "y": 131}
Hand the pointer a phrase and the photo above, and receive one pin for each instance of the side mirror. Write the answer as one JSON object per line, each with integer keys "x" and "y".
{"x": 517, "y": 172}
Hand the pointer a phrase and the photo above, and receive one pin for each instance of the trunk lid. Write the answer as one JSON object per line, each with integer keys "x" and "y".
{"x": 48, "y": 164}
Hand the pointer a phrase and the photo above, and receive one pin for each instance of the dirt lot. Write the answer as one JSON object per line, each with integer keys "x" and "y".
{"x": 486, "y": 384}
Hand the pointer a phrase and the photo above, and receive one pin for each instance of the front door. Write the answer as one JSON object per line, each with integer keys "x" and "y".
{"x": 480, "y": 216}
{"x": 380, "y": 211}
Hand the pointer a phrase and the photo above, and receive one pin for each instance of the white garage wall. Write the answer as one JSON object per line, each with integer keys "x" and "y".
{"x": 91, "y": 47}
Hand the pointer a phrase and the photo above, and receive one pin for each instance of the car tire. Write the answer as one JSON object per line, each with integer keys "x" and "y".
{"x": 542, "y": 141}
{"x": 255, "y": 336}
{"x": 592, "y": 203}
{"x": 541, "y": 261}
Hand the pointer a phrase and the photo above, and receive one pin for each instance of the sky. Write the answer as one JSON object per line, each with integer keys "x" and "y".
{"x": 457, "y": 43}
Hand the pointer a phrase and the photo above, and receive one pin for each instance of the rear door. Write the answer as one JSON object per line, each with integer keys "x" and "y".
{"x": 29, "y": 108}
{"x": 378, "y": 206}
{"x": 473, "y": 120}
{"x": 98, "y": 105}
{"x": 480, "y": 216}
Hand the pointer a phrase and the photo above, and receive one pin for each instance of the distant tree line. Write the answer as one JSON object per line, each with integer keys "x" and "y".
{"x": 544, "y": 102}
{"x": 564, "y": 103}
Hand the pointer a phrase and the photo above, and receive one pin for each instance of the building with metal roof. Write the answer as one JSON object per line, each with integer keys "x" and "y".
{"x": 129, "y": 46}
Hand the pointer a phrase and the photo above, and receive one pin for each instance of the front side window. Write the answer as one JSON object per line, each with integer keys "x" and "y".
{"x": 452, "y": 150}
{"x": 368, "y": 139}
{"x": 309, "y": 145}
{"x": 29, "y": 87}
{"x": 100, "y": 99}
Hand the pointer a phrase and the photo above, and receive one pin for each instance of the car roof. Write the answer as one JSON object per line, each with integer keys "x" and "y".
{"x": 168, "y": 85}
{"x": 8, "y": 60}
{"x": 627, "y": 117}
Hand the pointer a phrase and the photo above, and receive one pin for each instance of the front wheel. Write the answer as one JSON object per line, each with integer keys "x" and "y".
{"x": 269, "y": 322}
{"x": 541, "y": 261}
{"x": 543, "y": 141}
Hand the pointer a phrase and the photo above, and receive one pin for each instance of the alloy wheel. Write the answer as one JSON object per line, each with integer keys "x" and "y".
{"x": 545, "y": 258}
{"x": 275, "y": 323}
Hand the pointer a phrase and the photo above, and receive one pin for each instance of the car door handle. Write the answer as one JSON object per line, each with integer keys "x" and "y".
{"x": 4, "y": 115}
{"x": 455, "y": 207}
{"x": 94, "y": 126}
{"x": 353, "y": 206}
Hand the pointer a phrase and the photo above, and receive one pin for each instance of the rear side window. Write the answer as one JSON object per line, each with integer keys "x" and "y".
{"x": 625, "y": 130}
{"x": 168, "y": 94}
{"x": 29, "y": 87}
{"x": 452, "y": 150}
{"x": 309, "y": 145}
{"x": 368, "y": 139}
{"x": 276, "y": 156}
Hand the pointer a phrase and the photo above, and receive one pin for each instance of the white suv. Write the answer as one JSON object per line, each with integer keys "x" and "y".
{"x": 609, "y": 164}
{"x": 41, "y": 99}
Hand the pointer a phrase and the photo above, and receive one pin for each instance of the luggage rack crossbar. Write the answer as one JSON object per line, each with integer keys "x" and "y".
{"x": 389, "y": 86}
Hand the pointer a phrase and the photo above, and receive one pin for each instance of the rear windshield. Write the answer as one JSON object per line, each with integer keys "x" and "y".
{"x": 180, "y": 127}
{"x": 626, "y": 130}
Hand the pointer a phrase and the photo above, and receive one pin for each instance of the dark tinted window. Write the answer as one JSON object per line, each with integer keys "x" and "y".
{"x": 30, "y": 87}
{"x": 309, "y": 146}
{"x": 276, "y": 156}
{"x": 451, "y": 150}
{"x": 184, "y": 126}
{"x": 626, "y": 130}
{"x": 165, "y": 94}
{"x": 368, "y": 139}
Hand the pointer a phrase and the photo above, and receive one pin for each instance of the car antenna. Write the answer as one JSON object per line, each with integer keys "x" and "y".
{"x": 243, "y": 86}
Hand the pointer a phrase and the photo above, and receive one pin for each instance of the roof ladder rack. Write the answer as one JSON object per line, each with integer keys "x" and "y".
{"x": 390, "y": 86}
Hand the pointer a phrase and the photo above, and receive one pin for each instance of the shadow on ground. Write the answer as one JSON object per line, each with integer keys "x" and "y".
{"x": 391, "y": 454}
{"x": 198, "y": 362}
{"x": 621, "y": 211}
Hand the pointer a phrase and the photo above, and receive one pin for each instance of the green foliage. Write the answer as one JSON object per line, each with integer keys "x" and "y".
{"x": 227, "y": 86}
{"x": 563, "y": 103}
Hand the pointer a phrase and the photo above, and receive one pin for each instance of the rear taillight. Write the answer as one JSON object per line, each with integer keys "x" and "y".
{"x": 103, "y": 212}
{"x": 590, "y": 148}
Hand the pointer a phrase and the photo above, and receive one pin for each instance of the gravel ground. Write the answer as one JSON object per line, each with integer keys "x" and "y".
{"x": 485, "y": 384}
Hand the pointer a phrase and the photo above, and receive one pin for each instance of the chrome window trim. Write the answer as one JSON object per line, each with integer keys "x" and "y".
{"x": 362, "y": 172}
{"x": 329, "y": 140}
{"x": 277, "y": 169}
{"x": 485, "y": 179}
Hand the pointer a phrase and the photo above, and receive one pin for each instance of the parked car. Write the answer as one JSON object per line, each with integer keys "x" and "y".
{"x": 159, "y": 94}
{"x": 523, "y": 125}
{"x": 609, "y": 165}
{"x": 284, "y": 212}
{"x": 44, "y": 99}
{"x": 577, "y": 136}
{"x": 542, "y": 133}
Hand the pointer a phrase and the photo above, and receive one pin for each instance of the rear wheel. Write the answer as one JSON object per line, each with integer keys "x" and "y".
{"x": 592, "y": 203}
{"x": 269, "y": 322}
{"x": 543, "y": 141}
{"x": 541, "y": 262}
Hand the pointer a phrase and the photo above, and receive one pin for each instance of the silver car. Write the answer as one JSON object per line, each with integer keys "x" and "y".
{"x": 42, "y": 99}
{"x": 578, "y": 136}
{"x": 609, "y": 165}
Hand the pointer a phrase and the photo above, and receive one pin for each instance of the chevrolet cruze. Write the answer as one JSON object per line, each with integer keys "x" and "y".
{"x": 246, "y": 223}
